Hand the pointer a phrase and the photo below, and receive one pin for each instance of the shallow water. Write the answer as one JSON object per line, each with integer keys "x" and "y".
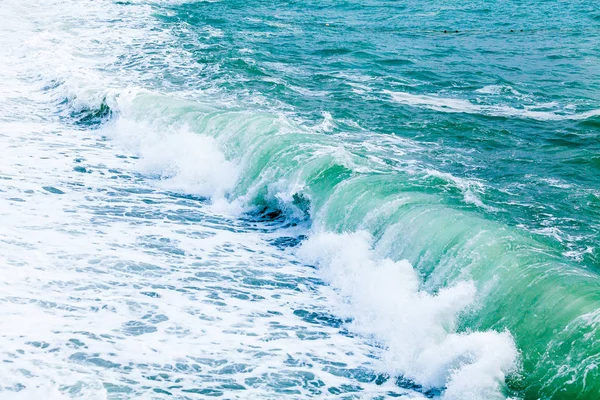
{"x": 114, "y": 289}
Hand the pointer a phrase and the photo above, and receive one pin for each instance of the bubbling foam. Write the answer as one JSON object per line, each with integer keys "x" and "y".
{"x": 182, "y": 160}
{"x": 418, "y": 329}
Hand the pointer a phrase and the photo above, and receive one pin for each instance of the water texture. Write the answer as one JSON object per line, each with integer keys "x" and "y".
{"x": 301, "y": 199}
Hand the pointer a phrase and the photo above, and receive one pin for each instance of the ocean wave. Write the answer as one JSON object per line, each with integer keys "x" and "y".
{"x": 418, "y": 329}
{"x": 245, "y": 161}
{"x": 249, "y": 160}
{"x": 448, "y": 294}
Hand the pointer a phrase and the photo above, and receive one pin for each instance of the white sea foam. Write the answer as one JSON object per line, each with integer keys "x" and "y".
{"x": 181, "y": 159}
{"x": 417, "y": 329}
{"x": 328, "y": 123}
{"x": 79, "y": 64}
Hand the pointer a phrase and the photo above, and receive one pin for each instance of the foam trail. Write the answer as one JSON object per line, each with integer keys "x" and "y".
{"x": 452, "y": 105}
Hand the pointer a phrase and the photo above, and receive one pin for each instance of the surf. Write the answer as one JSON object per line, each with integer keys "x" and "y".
{"x": 440, "y": 272}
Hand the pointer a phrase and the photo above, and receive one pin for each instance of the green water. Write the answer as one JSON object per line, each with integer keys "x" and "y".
{"x": 528, "y": 134}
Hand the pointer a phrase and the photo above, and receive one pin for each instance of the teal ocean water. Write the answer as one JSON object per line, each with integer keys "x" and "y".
{"x": 300, "y": 199}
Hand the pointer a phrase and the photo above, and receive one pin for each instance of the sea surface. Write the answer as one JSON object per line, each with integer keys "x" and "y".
{"x": 299, "y": 199}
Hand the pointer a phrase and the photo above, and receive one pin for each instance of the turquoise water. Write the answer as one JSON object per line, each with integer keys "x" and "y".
{"x": 439, "y": 165}
{"x": 517, "y": 111}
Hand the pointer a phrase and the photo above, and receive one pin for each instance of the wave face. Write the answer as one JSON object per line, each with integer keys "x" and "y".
{"x": 439, "y": 165}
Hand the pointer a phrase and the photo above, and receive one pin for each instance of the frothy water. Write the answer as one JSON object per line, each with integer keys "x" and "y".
{"x": 192, "y": 206}
{"x": 118, "y": 286}
{"x": 115, "y": 289}
{"x": 385, "y": 299}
